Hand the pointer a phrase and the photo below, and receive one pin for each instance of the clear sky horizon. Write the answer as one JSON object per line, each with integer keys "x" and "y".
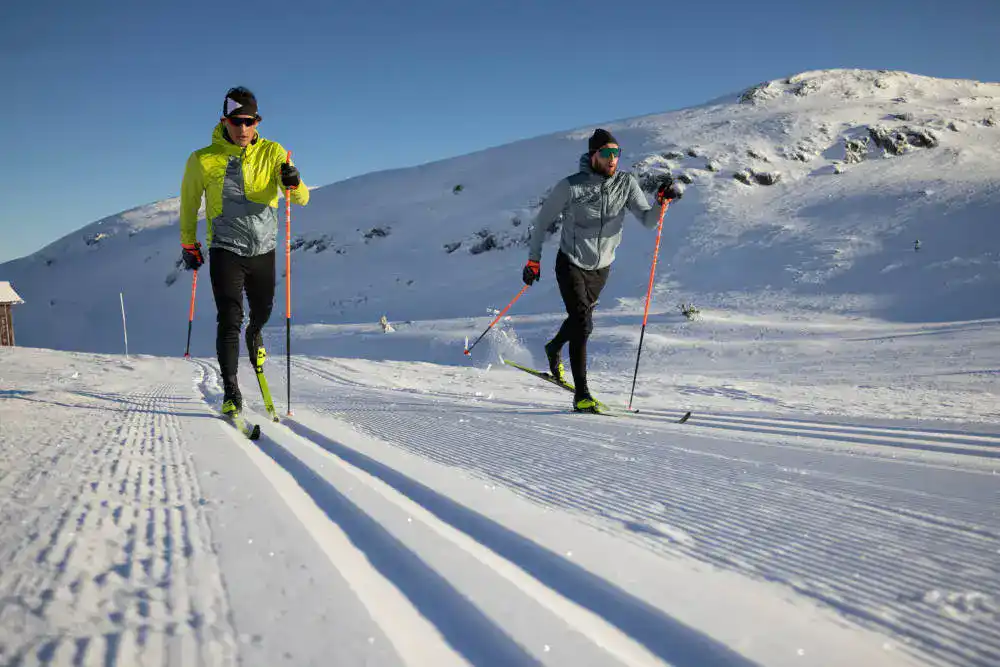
{"x": 104, "y": 101}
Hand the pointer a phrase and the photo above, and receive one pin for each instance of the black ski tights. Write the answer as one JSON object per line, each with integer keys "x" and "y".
{"x": 580, "y": 290}
{"x": 231, "y": 275}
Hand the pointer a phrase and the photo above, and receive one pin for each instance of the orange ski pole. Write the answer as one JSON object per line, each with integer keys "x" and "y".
{"x": 495, "y": 320}
{"x": 649, "y": 294}
{"x": 288, "y": 291}
{"x": 194, "y": 288}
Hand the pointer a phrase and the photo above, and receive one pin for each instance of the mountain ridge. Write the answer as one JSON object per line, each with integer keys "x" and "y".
{"x": 812, "y": 187}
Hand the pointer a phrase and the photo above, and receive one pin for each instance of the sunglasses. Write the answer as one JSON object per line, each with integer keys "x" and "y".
{"x": 245, "y": 122}
{"x": 609, "y": 152}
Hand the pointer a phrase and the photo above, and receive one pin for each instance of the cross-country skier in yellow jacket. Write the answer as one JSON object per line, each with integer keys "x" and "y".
{"x": 239, "y": 175}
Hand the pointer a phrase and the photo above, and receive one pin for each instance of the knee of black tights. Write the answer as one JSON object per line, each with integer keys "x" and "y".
{"x": 580, "y": 327}
{"x": 259, "y": 318}
{"x": 230, "y": 317}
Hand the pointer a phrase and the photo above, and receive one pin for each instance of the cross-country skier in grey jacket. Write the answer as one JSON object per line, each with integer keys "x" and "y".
{"x": 592, "y": 202}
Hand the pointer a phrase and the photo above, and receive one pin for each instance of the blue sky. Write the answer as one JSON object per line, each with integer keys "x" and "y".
{"x": 103, "y": 101}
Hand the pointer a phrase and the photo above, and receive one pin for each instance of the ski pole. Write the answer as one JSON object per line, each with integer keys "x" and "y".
{"x": 121, "y": 297}
{"x": 194, "y": 287}
{"x": 649, "y": 294}
{"x": 288, "y": 291}
{"x": 495, "y": 320}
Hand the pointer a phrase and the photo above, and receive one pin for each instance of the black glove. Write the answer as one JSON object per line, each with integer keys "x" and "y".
{"x": 290, "y": 176}
{"x": 668, "y": 190}
{"x": 191, "y": 254}
{"x": 532, "y": 272}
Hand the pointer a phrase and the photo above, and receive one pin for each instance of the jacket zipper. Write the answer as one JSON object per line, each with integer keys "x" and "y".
{"x": 243, "y": 161}
{"x": 600, "y": 233}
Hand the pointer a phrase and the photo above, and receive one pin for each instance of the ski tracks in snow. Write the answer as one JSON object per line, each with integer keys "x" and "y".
{"x": 105, "y": 556}
{"x": 418, "y": 504}
{"x": 449, "y": 586}
{"x": 907, "y": 546}
{"x": 456, "y": 571}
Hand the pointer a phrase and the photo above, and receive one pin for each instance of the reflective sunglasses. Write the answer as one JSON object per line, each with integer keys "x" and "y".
{"x": 609, "y": 152}
{"x": 245, "y": 122}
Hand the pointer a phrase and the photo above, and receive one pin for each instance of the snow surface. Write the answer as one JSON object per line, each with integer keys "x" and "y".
{"x": 833, "y": 500}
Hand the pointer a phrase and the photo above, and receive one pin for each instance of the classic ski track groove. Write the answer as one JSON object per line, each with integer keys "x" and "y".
{"x": 984, "y": 446}
{"x": 310, "y": 366}
{"x": 416, "y": 641}
{"x": 803, "y": 426}
{"x": 729, "y": 522}
{"x": 112, "y": 583}
{"x": 918, "y": 439}
{"x": 587, "y": 624}
{"x": 610, "y": 646}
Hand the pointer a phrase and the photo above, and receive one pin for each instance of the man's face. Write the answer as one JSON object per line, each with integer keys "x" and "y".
{"x": 241, "y": 129}
{"x": 605, "y": 160}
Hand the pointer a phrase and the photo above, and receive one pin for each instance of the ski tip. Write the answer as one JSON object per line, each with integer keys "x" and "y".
{"x": 255, "y": 432}
{"x": 687, "y": 415}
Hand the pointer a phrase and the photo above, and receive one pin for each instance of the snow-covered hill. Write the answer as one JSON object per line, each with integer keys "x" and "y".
{"x": 808, "y": 192}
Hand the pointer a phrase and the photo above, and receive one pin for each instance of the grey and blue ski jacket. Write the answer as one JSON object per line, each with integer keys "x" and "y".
{"x": 594, "y": 210}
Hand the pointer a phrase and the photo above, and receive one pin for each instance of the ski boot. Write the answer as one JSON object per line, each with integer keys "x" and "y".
{"x": 232, "y": 403}
{"x": 556, "y": 368}
{"x": 232, "y": 399}
{"x": 255, "y": 349}
{"x": 232, "y": 409}
{"x": 587, "y": 403}
{"x": 259, "y": 359}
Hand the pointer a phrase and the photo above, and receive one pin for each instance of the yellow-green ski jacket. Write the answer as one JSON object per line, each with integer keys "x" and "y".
{"x": 240, "y": 186}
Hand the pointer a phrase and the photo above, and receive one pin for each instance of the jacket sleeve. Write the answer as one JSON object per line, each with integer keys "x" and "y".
{"x": 300, "y": 195}
{"x": 554, "y": 204}
{"x": 637, "y": 203}
{"x": 192, "y": 189}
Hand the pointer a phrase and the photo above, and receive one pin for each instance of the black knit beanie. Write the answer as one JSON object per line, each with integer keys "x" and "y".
{"x": 239, "y": 102}
{"x": 600, "y": 138}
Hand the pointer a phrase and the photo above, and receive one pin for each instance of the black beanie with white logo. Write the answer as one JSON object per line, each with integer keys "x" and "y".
{"x": 239, "y": 102}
